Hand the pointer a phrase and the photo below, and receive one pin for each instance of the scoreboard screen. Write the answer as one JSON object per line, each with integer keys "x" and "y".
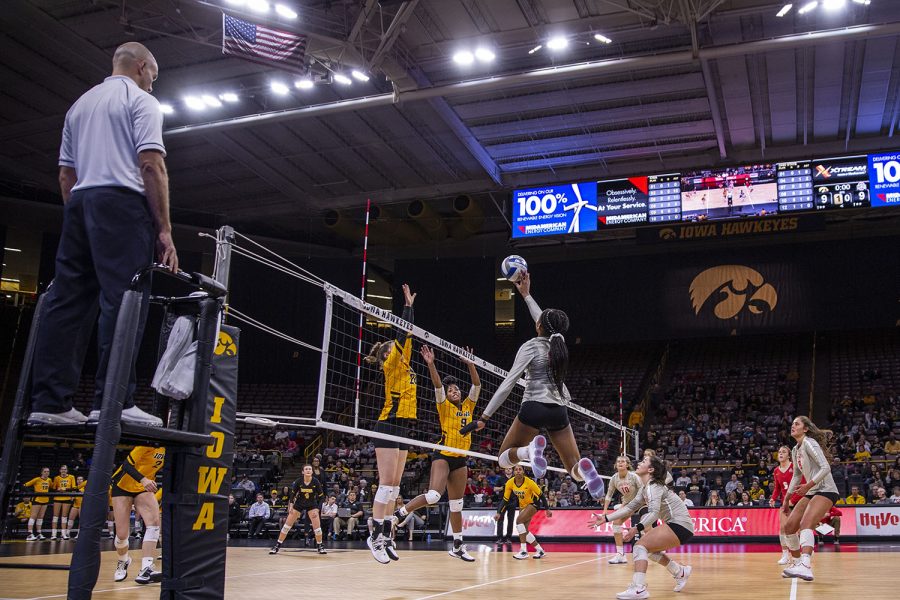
{"x": 730, "y": 193}
{"x": 841, "y": 182}
{"x": 795, "y": 185}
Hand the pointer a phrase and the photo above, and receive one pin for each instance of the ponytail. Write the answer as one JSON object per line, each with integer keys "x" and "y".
{"x": 555, "y": 323}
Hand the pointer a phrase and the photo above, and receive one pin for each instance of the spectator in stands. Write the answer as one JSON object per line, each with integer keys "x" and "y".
{"x": 412, "y": 521}
{"x": 258, "y": 514}
{"x": 273, "y": 500}
{"x": 683, "y": 480}
{"x": 862, "y": 450}
{"x": 731, "y": 499}
{"x": 246, "y": 484}
{"x": 567, "y": 491}
{"x": 839, "y": 474}
{"x": 757, "y": 494}
{"x": 318, "y": 472}
{"x": 685, "y": 443}
{"x": 745, "y": 500}
{"x": 687, "y": 501}
{"x": 880, "y": 496}
{"x": 552, "y": 499}
{"x": 22, "y": 511}
{"x": 895, "y": 497}
{"x": 328, "y": 513}
{"x": 714, "y": 499}
{"x": 348, "y": 517}
{"x": 235, "y": 513}
{"x": 284, "y": 496}
{"x": 893, "y": 445}
{"x": 718, "y": 485}
{"x": 854, "y": 497}
{"x": 893, "y": 477}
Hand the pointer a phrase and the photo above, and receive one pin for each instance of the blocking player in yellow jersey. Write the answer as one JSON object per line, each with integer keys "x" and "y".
{"x": 531, "y": 498}
{"x": 134, "y": 484}
{"x": 448, "y": 468}
{"x": 398, "y": 416}
{"x": 62, "y": 504}
{"x": 41, "y": 484}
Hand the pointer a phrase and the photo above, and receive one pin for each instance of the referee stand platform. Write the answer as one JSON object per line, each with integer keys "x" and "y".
{"x": 198, "y": 435}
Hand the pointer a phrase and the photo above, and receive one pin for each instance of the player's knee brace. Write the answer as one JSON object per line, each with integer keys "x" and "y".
{"x": 394, "y": 493}
{"x": 807, "y": 538}
{"x": 286, "y": 529}
{"x": 432, "y": 496}
{"x": 655, "y": 556}
{"x": 793, "y": 541}
{"x": 617, "y": 529}
{"x": 317, "y": 531}
{"x": 520, "y": 528}
{"x": 151, "y": 534}
{"x": 530, "y": 538}
{"x": 456, "y": 505}
{"x": 120, "y": 544}
{"x": 383, "y": 494}
{"x": 640, "y": 553}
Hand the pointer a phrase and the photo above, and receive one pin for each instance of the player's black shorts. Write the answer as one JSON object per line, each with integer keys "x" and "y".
{"x": 552, "y": 417}
{"x": 394, "y": 426}
{"x": 454, "y": 462}
{"x": 65, "y": 500}
{"x": 683, "y": 533}
{"x": 833, "y": 496}
{"x": 301, "y": 505}
{"x": 117, "y": 491}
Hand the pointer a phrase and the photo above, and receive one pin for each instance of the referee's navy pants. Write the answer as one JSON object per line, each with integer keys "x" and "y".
{"x": 107, "y": 236}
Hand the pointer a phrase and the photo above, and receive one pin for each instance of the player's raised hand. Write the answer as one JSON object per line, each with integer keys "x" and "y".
{"x": 427, "y": 355}
{"x": 408, "y": 296}
{"x": 524, "y": 284}
{"x": 465, "y": 360}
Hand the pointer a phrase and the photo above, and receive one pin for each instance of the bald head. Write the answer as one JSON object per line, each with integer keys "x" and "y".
{"x": 134, "y": 60}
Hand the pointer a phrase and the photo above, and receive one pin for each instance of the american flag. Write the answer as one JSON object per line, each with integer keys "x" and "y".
{"x": 279, "y": 49}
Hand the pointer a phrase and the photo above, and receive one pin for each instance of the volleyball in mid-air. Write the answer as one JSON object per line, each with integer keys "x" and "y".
{"x": 513, "y": 267}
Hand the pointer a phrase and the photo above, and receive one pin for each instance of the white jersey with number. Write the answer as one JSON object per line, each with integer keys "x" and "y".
{"x": 628, "y": 486}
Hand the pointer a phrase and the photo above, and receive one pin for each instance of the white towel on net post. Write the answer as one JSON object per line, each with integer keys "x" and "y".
{"x": 179, "y": 382}
{"x": 180, "y": 339}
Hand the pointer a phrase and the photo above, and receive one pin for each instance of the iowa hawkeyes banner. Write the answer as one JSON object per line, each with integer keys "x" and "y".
{"x": 724, "y": 291}
{"x": 707, "y": 230}
{"x": 195, "y": 507}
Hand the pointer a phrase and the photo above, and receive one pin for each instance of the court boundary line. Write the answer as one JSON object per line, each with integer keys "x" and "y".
{"x": 793, "y": 588}
{"x": 478, "y": 585}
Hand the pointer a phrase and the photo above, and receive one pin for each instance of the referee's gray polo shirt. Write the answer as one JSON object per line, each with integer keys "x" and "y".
{"x": 104, "y": 131}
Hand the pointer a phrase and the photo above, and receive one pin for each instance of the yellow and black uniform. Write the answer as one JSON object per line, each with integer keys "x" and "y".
{"x": 64, "y": 484}
{"x": 307, "y": 496}
{"x": 527, "y": 494}
{"x": 453, "y": 418}
{"x": 23, "y": 511}
{"x": 39, "y": 485}
{"x": 143, "y": 461}
{"x": 398, "y": 415}
{"x": 79, "y": 499}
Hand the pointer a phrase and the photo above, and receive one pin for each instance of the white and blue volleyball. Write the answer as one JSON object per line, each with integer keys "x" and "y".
{"x": 513, "y": 267}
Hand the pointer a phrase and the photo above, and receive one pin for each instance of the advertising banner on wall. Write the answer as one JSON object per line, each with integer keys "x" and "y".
{"x": 549, "y": 210}
{"x": 732, "y": 523}
{"x": 884, "y": 177}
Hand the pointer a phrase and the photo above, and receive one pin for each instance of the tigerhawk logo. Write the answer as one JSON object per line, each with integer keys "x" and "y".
{"x": 732, "y": 287}
{"x": 225, "y": 345}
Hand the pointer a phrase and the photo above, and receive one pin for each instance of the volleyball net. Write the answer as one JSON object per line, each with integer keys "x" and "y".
{"x": 351, "y": 394}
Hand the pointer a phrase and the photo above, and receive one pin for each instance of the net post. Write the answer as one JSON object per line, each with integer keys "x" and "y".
{"x": 222, "y": 267}
{"x": 326, "y": 342}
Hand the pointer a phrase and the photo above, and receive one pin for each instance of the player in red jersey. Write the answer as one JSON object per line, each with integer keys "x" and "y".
{"x": 783, "y": 474}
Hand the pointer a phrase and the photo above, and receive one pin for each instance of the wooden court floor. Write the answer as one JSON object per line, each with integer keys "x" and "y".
{"x": 425, "y": 574}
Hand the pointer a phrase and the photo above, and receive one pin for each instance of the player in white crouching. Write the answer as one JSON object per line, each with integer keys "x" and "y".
{"x": 628, "y": 484}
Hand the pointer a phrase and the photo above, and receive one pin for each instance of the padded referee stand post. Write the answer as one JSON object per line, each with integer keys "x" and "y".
{"x": 85, "y": 566}
{"x": 13, "y": 444}
{"x": 197, "y": 482}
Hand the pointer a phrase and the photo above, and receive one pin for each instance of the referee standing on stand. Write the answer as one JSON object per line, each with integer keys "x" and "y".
{"x": 115, "y": 189}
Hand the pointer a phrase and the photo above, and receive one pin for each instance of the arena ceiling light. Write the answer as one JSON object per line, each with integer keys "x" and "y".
{"x": 279, "y": 88}
{"x": 342, "y": 79}
{"x": 194, "y": 103}
{"x": 286, "y": 11}
{"x": 807, "y": 7}
{"x": 863, "y": 2}
{"x": 260, "y": 6}
{"x": 557, "y": 43}
{"x": 304, "y": 84}
{"x": 602, "y": 38}
{"x": 359, "y": 75}
{"x": 229, "y": 97}
{"x": 784, "y": 10}
{"x": 464, "y": 58}
{"x": 485, "y": 55}
{"x": 535, "y": 49}
{"x": 236, "y": 2}
{"x": 211, "y": 101}
{"x": 834, "y": 4}
{"x": 166, "y": 109}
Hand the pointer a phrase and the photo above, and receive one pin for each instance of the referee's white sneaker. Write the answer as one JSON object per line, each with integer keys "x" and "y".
{"x": 682, "y": 580}
{"x": 618, "y": 559}
{"x": 800, "y": 571}
{"x": 71, "y": 417}
{"x": 536, "y": 456}
{"x": 133, "y": 416}
{"x": 377, "y": 548}
{"x": 633, "y": 593}
{"x": 521, "y": 554}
